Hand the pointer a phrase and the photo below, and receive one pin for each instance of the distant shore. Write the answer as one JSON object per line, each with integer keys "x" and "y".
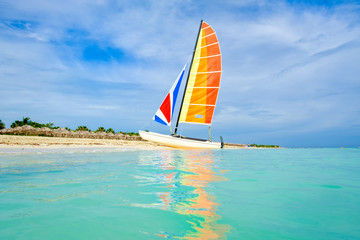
{"x": 29, "y": 137}
{"x": 25, "y": 142}
{"x": 27, "y": 130}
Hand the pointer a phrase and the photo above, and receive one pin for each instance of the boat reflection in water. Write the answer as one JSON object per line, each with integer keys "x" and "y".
{"x": 185, "y": 180}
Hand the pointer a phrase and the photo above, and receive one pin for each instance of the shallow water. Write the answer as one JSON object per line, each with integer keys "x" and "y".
{"x": 177, "y": 194}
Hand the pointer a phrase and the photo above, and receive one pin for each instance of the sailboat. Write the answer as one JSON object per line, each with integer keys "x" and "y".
{"x": 199, "y": 97}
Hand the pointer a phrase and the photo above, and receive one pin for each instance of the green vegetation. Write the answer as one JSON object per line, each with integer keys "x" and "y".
{"x": 82, "y": 128}
{"x": 27, "y": 121}
{"x": 110, "y": 130}
{"x": 130, "y": 133}
{"x": 264, "y": 146}
{"x": 100, "y": 129}
{"x": 2, "y": 125}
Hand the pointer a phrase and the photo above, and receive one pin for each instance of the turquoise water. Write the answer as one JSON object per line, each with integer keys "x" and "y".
{"x": 177, "y": 194}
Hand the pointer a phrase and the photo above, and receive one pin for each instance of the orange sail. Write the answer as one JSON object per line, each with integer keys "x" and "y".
{"x": 204, "y": 79}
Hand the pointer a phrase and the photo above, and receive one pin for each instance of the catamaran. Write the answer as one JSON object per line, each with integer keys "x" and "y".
{"x": 199, "y": 98}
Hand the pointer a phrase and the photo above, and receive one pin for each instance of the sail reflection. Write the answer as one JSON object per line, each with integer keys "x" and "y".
{"x": 186, "y": 180}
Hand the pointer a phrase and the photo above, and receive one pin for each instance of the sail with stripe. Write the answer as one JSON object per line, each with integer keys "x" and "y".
{"x": 166, "y": 110}
{"x": 198, "y": 98}
{"x": 203, "y": 82}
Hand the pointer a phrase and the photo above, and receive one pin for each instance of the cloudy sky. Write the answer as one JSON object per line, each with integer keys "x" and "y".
{"x": 291, "y": 69}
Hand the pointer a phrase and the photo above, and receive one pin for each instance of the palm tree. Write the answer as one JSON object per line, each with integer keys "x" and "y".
{"x": 26, "y": 120}
{"x": 2, "y": 125}
{"x": 82, "y": 128}
{"x": 110, "y": 130}
{"x": 17, "y": 123}
{"x": 50, "y": 125}
{"x": 100, "y": 129}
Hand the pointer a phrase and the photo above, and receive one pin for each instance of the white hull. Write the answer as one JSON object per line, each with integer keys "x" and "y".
{"x": 177, "y": 142}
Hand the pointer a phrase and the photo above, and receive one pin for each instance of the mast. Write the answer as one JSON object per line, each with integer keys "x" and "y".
{"x": 187, "y": 79}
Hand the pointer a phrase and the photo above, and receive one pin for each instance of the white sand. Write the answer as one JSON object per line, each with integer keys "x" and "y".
{"x": 30, "y": 142}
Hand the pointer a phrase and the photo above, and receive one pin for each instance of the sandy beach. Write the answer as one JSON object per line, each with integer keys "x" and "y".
{"x": 28, "y": 142}
{"x": 24, "y": 143}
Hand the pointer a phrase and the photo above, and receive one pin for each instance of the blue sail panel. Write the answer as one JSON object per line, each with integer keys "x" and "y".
{"x": 176, "y": 90}
{"x": 159, "y": 120}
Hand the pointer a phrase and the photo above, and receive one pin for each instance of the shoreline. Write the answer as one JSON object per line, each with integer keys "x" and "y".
{"x": 20, "y": 143}
{"x": 40, "y": 142}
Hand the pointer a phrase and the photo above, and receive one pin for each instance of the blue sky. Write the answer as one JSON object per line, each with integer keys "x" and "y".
{"x": 291, "y": 72}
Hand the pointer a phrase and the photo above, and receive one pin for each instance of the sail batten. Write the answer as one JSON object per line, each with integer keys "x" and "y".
{"x": 201, "y": 104}
{"x": 205, "y": 87}
{"x": 209, "y": 45}
{"x": 208, "y": 35}
{"x": 209, "y": 56}
{"x": 205, "y": 72}
{"x": 203, "y": 84}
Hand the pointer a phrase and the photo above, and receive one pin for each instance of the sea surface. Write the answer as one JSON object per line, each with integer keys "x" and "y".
{"x": 179, "y": 194}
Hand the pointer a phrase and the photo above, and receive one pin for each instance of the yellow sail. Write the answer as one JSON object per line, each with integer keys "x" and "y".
{"x": 204, "y": 79}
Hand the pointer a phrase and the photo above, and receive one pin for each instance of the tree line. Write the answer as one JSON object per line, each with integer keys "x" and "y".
{"x": 27, "y": 121}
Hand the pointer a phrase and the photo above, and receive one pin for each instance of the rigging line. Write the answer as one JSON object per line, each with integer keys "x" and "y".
{"x": 145, "y": 125}
{"x": 189, "y": 58}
